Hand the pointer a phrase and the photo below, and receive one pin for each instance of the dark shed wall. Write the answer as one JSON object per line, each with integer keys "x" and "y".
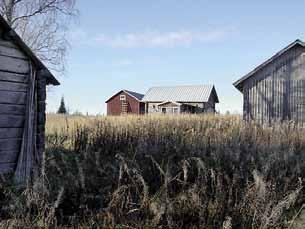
{"x": 41, "y": 114}
{"x": 277, "y": 92}
{"x": 114, "y": 106}
{"x": 14, "y": 75}
{"x": 14, "y": 86}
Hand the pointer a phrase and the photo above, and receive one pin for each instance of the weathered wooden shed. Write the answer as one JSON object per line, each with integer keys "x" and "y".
{"x": 125, "y": 102}
{"x": 275, "y": 90}
{"x": 23, "y": 81}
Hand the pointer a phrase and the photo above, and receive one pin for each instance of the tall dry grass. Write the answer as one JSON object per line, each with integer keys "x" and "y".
{"x": 163, "y": 172}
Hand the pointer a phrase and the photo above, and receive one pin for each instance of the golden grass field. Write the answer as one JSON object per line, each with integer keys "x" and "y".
{"x": 158, "y": 171}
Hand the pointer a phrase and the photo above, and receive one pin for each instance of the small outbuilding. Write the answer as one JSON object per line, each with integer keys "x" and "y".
{"x": 125, "y": 102}
{"x": 23, "y": 81}
{"x": 275, "y": 90}
{"x": 181, "y": 99}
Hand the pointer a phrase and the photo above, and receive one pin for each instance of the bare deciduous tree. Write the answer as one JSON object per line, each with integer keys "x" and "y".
{"x": 43, "y": 24}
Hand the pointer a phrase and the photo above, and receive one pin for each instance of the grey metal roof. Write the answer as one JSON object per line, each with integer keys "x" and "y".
{"x": 135, "y": 94}
{"x": 195, "y": 93}
{"x": 239, "y": 83}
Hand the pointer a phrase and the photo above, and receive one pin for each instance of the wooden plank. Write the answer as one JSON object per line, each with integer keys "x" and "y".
{"x": 8, "y": 44}
{"x": 40, "y": 138}
{"x": 41, "y": 128}
{"x": 14, "y": 65}
{"x": 41, "y": 117}
{"x": 5, "y": 50}
{"x": 248, "y": 103}
{"x": 11, "y": 121}
{"x": 12, "y": 109}
{"x": 263, "y": 101}
{"x": 8, "y": 156}
{"x": 42, "y": 107}
{"x": 41, "y": 83}
{"x": 10, "y": 144}
{"x": 10, "y": 86}
{"x": 251, "y": 100}
{"x": 245, "y": 93}
{"x": 7, "y": 167}
{"x": 8, "y": 97}
{"x": 13, "y": 77}
{"x": 6, "y": 133}
{"x": 42, "y": 95}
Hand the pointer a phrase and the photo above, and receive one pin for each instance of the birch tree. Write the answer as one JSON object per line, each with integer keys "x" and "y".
{"x": 43, "y": 25}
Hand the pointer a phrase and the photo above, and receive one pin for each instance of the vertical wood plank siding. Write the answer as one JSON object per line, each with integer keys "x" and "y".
{"x": 114, "y": 106}
{"x": 41, "y": 119}
{"x": 276, "y": 92}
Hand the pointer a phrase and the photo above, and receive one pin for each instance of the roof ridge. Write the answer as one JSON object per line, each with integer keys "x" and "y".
{"x": 132, "y": 91}
{"x": 268, "y": 61}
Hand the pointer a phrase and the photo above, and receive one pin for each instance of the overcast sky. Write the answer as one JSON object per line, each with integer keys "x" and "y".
{"x": 137, "y": 44}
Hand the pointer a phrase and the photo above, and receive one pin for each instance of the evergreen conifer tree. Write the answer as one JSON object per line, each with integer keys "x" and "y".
{"x": 62, "y": 108}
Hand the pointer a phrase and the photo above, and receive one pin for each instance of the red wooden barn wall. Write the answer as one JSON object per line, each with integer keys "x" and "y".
{"x": 134, "y": 106}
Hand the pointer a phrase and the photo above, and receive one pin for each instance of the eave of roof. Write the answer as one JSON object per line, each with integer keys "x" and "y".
{"x": 20, "y": 43}
{"x": 136, "y": 95}
{"x": 239, "y": 83}
{"x": 174, "y": 102}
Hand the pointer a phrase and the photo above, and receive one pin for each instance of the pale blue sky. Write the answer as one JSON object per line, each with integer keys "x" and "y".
{"x": 137, "y": 44}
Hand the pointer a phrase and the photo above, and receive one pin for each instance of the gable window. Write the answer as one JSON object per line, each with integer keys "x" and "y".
{"x": 123, "y": 97}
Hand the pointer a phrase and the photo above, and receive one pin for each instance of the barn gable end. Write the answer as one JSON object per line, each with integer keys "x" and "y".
{"x": 131, "y": 104}
{"x": 276, "y": 89}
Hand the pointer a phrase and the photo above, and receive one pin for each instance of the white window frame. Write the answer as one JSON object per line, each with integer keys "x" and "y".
{"x": 122, "y": 97}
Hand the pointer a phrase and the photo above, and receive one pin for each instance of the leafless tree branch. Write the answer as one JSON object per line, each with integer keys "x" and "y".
{"x": 43, "y": 24}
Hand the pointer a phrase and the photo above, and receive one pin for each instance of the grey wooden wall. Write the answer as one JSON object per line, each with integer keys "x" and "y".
{"x": 277, "y": 92}
{"x": 14, "y": 75}
{"x": 14, "y": 83}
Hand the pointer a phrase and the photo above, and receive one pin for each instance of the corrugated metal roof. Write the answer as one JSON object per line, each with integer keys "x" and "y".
{"x": 135, "y": 94}
{"x": 195, "y": 93}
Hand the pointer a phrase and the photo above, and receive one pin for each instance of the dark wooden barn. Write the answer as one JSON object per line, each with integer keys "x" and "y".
{"x": 275, "y": 90}
{"x": 23, "y": 81}
{"x": 125, "y": 102}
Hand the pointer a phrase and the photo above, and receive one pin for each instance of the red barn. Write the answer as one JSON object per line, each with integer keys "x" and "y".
{"x": 125, "y": 102}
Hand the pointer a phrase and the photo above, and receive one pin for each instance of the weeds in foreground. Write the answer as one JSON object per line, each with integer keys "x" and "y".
{"x": 163, "y": 172}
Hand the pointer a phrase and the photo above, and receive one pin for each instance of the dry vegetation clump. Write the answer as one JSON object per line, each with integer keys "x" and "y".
{"x": 163, "y": 172}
